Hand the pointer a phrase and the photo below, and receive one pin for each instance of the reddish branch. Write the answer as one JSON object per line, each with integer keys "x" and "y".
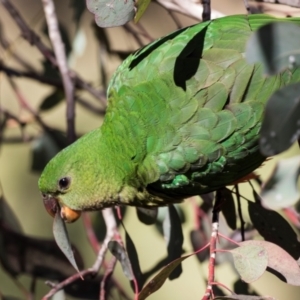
{"x": 212, "y": 260}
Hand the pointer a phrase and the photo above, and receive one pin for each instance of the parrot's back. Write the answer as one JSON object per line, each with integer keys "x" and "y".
{"x": 186, "y": 110}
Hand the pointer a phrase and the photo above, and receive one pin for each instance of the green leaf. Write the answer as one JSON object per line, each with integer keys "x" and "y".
{"x": 52, "y": 100}
{"x": 250, "y": 261}
{"x": 109, "y": 13}
{"x": 62, "y": 239}
{"x": 277, "y": 136}
{"x": 120, "y": 253}
{"x": 141, "y": 6}
{"x": 276, "y": 46}
{"x": 281, "y": 189}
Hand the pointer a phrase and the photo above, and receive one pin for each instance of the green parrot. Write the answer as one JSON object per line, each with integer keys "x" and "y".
{"x": 183, "y": 118}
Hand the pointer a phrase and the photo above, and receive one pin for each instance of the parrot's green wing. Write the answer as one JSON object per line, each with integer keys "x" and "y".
{"x": 193, "y": 107}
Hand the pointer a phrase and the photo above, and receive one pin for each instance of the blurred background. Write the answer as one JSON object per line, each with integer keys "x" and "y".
{"x": 95, "y": 65}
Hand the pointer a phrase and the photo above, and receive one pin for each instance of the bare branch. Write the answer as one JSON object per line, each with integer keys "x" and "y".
{"x": 60, "y": 54}
{"x": 191, "y": 8}
{"x": 293, "y": 3}
{"x": 35, "y": 40}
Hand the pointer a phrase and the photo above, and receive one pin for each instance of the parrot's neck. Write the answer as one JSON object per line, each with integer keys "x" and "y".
{"x": 119, "y": 179}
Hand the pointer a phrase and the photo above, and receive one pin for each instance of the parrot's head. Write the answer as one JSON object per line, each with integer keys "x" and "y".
{"x": 67, "y": 183}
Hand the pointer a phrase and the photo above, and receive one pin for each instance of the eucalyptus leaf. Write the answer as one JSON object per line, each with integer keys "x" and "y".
{"x": 250, "y": 260}
{"x": 109, "y": 13}
{"x": 147, "y": 215}
{"x": 228, "y": 207}
{"x": 281, "y": 189}
{"x": 120, "y": 253}
{"x": 280, "y": 261}
{"x": 52, "y": 100}
{"x": 78, "y": 7}
{"x": 174, "y": 238}
{"x": 276, "y": 46}
{"x": 274, "y": 228}
{"x": 156, "y": 283}
{"x": 45, "y": 147}
{"x": 62, "y": 239}
{"x": 141, "y": 6}
{"x": 134, "y": 260}
{"x": 277, "y": 134}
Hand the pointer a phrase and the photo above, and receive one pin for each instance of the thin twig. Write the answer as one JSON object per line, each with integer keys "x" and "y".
{"x": 206, "y": 14}
{"x": 90, "y": 232}
{"x": 191, "y": 9}
{"x": 27, "y": 33}
{"x": 12, "y": 72}
{"x": 212, "y": 248}
{"x": 240, "y": 213}
{"x": 25, "y": 104}
{"x": 175, "y": 19}
{"x": 144, "y": 32}
{"x": 247, "y": 6}
{"x": 107, "y": 275}
{"x": 60, "y": 54}
{"x": 35, "y": 40}
{"x": 111, "y": 232}
{"x": 134, "y": 34}
{"x": 8, "y": 47}
{"x": 31, "y": 75}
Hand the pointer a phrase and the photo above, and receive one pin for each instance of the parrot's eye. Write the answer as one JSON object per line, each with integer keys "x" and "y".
{"x": 64, "y": 183}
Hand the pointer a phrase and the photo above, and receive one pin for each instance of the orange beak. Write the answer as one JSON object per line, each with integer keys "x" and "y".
{"x": 52, "y": 205}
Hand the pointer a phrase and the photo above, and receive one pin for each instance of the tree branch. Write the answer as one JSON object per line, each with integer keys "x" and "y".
{"x": 60, "y": 54}
{"x": 35, "y": 40}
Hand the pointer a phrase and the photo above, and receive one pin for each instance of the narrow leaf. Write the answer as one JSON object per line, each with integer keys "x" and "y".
{"x": 276, "y": 46}
{"x": 275, "y": 136}
{"x": 228, "y": 207}
{"x": 62, "y": 239}
{"x": 120, "y": 253}
{"x": 156, "y": 283}
{"x": 174, "y": 237}
{"x": 281, "y": 189}
{"x": 141, "y": 6}
{"x": 134, "y": 260}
